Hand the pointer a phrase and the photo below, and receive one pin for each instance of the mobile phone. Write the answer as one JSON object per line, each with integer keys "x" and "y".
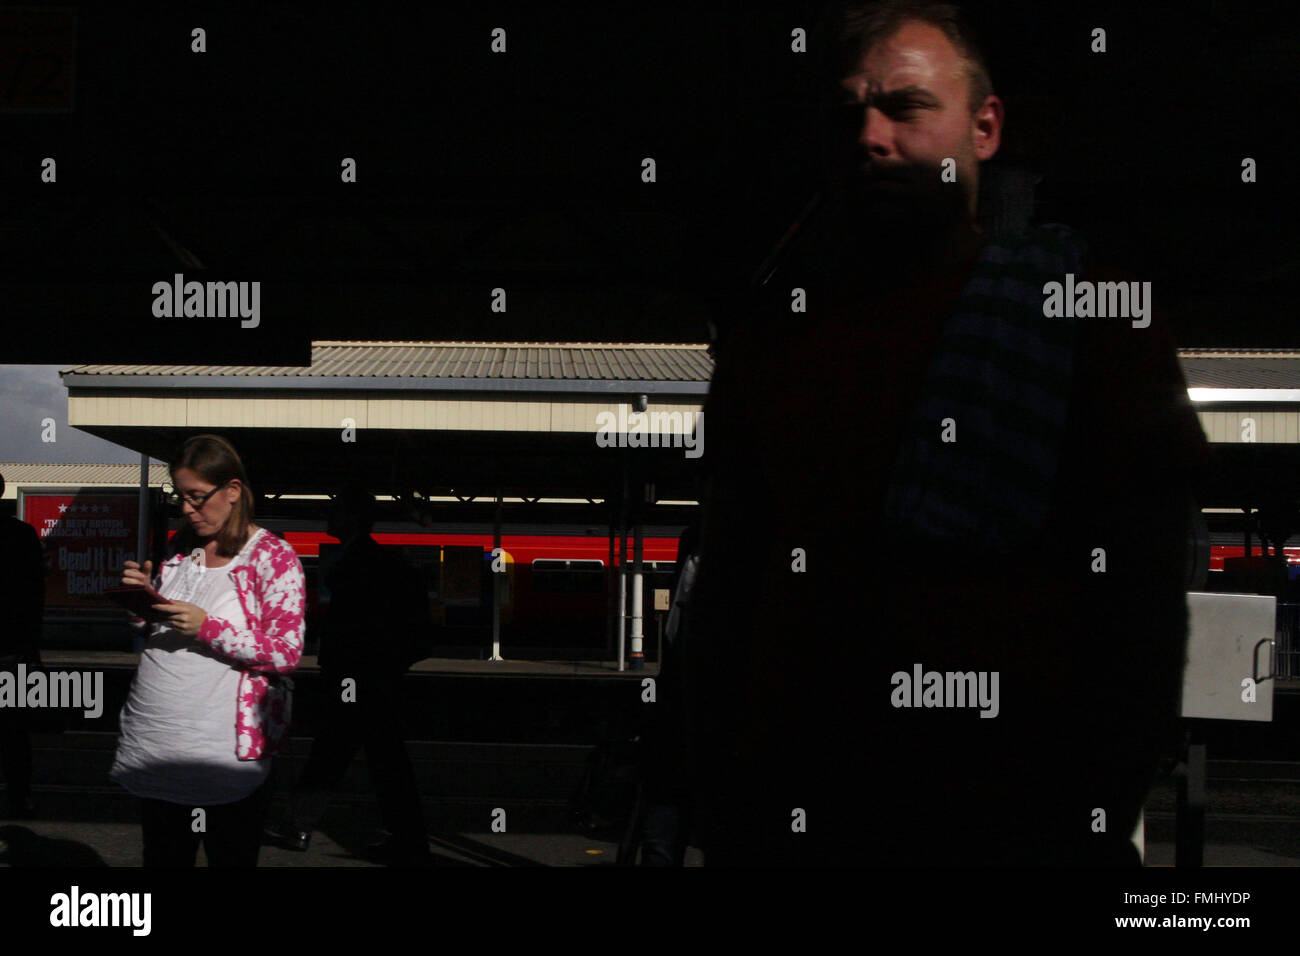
{"x": 138, "y": 599}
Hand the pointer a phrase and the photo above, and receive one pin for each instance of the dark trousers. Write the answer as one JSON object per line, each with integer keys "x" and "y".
{"x": 373, "y": 721}
{"x": 233, "y": 836}
{"x": 15, "y": 759}
{"x": 16, "y": 743}
{"x": 667, "y": 813}
{"x": 665, "y": 828}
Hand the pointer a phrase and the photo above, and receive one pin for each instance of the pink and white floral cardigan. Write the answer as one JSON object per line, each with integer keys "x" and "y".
{"x": 272, "y": 590}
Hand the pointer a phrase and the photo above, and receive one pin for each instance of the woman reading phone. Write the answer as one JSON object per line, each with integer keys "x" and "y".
{"x": 209, "y": 704}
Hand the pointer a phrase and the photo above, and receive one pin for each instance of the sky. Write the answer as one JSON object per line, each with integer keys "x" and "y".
{"x": 28, "y": 395}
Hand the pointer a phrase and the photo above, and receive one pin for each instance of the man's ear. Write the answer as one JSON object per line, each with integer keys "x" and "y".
{"x": 986, "y": 127}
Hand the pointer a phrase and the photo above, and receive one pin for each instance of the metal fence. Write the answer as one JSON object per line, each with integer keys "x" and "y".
{"x": 1286, "y": 650}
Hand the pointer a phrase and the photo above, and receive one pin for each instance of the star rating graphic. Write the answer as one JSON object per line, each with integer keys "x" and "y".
{"x": 82, "y": 509}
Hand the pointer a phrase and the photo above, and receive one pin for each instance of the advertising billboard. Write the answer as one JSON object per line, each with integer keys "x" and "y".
{"x": 86, "y": 535}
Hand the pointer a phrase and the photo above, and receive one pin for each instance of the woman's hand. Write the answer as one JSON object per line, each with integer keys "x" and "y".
{"x": 131, "y": 574}
{"x": 184, "y": 618}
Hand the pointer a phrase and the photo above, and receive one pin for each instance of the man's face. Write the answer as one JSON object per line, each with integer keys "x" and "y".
{"x": 902, "y": 112}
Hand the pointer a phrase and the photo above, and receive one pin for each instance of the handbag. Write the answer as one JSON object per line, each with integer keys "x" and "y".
{"x": 279, "y": 711}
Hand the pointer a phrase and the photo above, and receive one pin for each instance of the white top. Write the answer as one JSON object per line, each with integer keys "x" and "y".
{"x": 177, "y": 738}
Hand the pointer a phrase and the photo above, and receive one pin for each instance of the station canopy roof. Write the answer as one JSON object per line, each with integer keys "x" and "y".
{"x": 476, "y": 419}
{"x": 1257, "y": 465}
{"x": 434, "y": 418}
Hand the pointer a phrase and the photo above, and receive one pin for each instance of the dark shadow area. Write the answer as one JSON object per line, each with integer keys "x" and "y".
{"x": 480, "y": 852}
{"x": 21, "y": 847}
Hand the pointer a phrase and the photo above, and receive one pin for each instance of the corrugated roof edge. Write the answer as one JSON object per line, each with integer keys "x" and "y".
{"x": 516, "y": 345}
{"x": 1239, "y": 353}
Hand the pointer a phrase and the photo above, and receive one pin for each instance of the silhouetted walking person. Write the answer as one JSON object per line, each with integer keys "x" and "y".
{"x": 377, "y": 625}
{"x": 22, "y": 596}
{"x": 666, "y": 818}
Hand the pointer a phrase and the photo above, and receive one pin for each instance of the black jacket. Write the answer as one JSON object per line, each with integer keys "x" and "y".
{"x": 378, "y": 617}
{"x": 22, "y": 588}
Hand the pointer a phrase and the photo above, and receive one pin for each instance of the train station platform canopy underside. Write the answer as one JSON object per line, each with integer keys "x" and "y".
{"x": 1248, "y": 403}
{"x": 430, "y": 419}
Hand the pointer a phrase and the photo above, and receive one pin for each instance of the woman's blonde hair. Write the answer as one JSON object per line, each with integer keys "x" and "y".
{"x": 215, "y": 460}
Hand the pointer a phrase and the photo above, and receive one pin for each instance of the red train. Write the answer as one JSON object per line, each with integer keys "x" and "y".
{"x": 555, "y": 587}
{"x": 1219, "y": 552}
{"x": 553, "y": 595}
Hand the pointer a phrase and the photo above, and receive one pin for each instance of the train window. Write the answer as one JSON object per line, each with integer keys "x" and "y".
{"x": 557, "y": 576}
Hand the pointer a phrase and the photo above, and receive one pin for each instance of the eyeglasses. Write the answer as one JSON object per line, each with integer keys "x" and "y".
{"x": 173, "y": 500}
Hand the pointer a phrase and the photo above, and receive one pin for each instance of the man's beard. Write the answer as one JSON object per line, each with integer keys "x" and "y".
{"x": 877, "y": 229}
